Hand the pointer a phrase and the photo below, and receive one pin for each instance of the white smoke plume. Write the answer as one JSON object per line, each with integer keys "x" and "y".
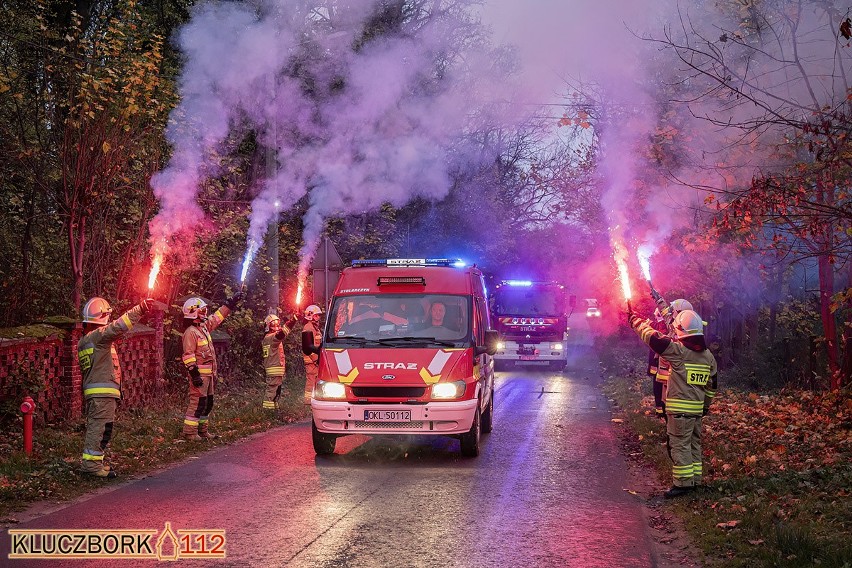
{"x": 353, "y": 122}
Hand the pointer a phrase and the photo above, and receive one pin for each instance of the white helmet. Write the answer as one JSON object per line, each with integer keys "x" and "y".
{"x": 194, "y": 309}
{"x": 688, "y": 323}
{"x": 96, "y": 310}
{"x": 312, "y": 310}
{"x": 269, "y": 319}
{"x": 680, "y": 304}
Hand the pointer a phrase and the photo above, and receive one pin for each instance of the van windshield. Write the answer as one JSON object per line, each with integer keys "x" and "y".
{"x": 399, "y": 319}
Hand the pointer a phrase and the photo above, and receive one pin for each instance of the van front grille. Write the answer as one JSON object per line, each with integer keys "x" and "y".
{"x": 390, "y": 425}
{"x": 388, "y": 392}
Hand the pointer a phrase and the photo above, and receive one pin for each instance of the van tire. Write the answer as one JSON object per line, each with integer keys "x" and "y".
{"x": 557, "y": 365}
{"x": 470, "y": 440}
{"x": 323, "y": 443}
{"x": 487, "y": 423}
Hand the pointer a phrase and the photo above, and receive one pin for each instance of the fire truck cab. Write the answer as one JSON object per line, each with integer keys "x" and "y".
{"x": 407, "y": 349}
{"x": 532, "y": 322}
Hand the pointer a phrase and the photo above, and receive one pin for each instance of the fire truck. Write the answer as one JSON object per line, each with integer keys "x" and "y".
{"x": 532, "y": 321}
{"x": 407, "y": 349}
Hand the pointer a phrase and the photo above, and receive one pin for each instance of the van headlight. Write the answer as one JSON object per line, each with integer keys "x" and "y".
{"x": 556, "y": 347}
{"x": 501, "y": 345}
{"x": 448, "y": 390}
{"x": 326, "y": 389}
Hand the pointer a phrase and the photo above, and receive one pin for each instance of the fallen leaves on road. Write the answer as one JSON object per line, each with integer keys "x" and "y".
{"x": 617, "y": 420}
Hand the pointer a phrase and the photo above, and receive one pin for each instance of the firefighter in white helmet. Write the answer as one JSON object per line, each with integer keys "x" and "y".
{"x": 273, "y": 356}
{"x": 691, "y": 388}
{"x": 102, "y": 377}
{"x": 661, "y": 368}
{"x": 199, "y": 357}
{"x": 311, "y": 340}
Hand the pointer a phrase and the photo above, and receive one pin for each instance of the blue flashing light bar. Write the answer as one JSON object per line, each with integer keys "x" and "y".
{"x": 526, "y": 283}
{"x": 410, "y": 262}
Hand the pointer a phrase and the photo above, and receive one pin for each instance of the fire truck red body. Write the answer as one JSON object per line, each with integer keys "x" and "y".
{"x": 390, "y": 365}
{"x": 532, "y": 322}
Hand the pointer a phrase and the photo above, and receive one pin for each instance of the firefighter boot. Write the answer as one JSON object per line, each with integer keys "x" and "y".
{"x": 677, "y": 491}
{"x": 103, "y": 473}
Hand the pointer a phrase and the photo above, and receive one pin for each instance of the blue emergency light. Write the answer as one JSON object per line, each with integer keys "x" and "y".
{"x": 458, "y": 263}
{"x": 526, "y": 283}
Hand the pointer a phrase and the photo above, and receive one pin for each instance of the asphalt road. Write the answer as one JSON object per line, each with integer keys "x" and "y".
{"x": 547, "y": 490}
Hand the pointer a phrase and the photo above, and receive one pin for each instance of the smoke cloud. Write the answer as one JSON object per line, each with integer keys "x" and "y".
{"x": 353, "y": 121}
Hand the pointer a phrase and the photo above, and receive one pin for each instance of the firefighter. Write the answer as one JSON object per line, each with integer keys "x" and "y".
{"x": 658, "y": 381}
{"x": 273, "y": 356}
{"x": 664, "y": 317}
{"x": 691, "y": 388}
{"x": 102, "y": 377}
{"x": 199, "y": 356}
{"x": 311, "y": 340}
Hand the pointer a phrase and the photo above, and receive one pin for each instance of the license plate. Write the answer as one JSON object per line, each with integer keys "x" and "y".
{"x": 387, "y": 415}
{"x": 527, "y": 357}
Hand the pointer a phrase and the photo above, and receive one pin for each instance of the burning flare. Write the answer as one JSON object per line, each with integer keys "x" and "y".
{"x": 250, "y": 252}
{"x": 158, "y": 251}
{"x": 155, "y": 270}
{"x": 620, "y": 256}
{"x": 644, "y": 255}
{"x": 303, "y": 275}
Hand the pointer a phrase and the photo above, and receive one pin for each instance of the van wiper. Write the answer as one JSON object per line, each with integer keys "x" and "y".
{"x": 354, "y": 339}
{"x": 410, "y": 340}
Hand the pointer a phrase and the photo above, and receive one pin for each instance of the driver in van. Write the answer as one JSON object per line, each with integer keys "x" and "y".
{"x": 437, "y": 327}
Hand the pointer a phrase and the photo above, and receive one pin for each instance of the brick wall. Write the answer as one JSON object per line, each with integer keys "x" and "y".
{"x": 54, "y": 359}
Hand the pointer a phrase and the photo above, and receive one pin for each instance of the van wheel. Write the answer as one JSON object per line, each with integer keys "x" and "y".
{"x": 323, "y": 443}
{"x": 557, "y": 365}
{"x": 488, "y": 415}
{"x": 470, "y": 440}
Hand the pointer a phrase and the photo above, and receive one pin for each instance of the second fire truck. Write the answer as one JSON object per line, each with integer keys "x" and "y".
{"x": 532, "y": 320}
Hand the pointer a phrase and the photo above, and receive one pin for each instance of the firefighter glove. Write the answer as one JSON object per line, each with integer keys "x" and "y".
{"x": 235, "y": 300}
{"x": 147, "y": 305}
{"x": 705, "y": 411}
{"x": 195, "y": 377}
{"x": 634, "y": 320}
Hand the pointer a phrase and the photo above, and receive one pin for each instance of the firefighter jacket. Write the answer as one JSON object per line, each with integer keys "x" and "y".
{"x": 273, "y": 351}
{"x": 99, "y": 359}
{"x": 693, "y": 379}
{"x": 658, "y": 367}
{"x": 198, "y": 348}
{"x": 311, "y": 356}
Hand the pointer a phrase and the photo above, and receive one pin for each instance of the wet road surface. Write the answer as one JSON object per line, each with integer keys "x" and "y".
{"x": 547, "y": 490}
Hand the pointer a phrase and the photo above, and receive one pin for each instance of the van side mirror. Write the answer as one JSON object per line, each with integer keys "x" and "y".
{"x": 492, "y": 336}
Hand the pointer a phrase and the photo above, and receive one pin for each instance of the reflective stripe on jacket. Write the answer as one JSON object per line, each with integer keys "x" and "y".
{"x": 99, "y": 359}
{"x": 198, "y": 347}
{"x": 312, "y": 327}
{"x": 692, "y": 372}
{"x": 273, "y": 352}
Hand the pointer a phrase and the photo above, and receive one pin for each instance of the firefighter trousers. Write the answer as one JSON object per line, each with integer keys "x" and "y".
{"x": 311, "y": 374}
{"x": 198, "y": 410}
{"x": 273, "y": 390}
{"x": 685, "y": 442}
{"x": 100, "y": 415}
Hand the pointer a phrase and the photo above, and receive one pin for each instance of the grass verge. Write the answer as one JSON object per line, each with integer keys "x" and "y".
{"x": 143, "y": 441}
{"x": 778, "y": 469}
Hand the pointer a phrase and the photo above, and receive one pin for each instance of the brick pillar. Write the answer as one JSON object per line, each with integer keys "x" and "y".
{"x": 71, "y": 380}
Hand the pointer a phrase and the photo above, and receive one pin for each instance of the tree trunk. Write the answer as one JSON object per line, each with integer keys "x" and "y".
{"x": 826, "y": 290}
{"x": 846, "y": 372}
{"x": 77, "y": 245}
